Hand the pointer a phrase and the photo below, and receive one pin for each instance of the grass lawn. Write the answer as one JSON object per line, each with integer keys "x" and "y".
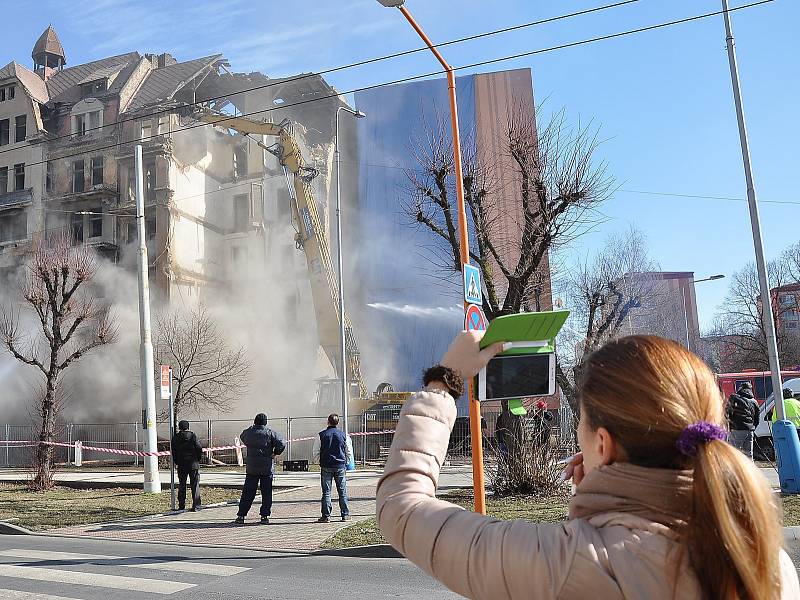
{"x": 62, "y": 506}
{"x": 526, "y": 508}
{"x": 549, "y": 509}
{"x": 791, "y": 510}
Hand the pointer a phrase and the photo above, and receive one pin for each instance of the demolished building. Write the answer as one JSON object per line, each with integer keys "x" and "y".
{"x": 216, "y": 201}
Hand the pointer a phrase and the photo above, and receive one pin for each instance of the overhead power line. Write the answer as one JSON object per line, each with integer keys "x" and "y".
{"x": 701, "y": 197}
{"x": 222, "y": 120}
{"x": 352, "y": 65}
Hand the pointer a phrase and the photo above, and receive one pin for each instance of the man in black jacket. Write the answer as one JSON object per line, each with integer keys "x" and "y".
{"x": 742, "y": 414}
{"x": 263, "y": 445}
{"x": 186, "y": 453}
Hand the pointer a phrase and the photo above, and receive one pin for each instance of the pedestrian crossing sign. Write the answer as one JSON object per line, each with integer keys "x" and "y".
{"x": 472, "y": 285}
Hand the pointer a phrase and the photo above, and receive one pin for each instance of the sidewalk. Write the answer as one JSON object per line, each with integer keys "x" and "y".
{"x": 292, "y": 526}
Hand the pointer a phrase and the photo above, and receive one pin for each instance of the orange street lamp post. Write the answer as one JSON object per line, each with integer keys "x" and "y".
{"x": 478, "y": 481}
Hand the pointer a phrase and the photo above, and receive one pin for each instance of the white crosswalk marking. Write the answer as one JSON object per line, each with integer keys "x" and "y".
{"x": 180, "y": 566}
{"x": 117, "y": 582}
{"x": 19, "y": 595}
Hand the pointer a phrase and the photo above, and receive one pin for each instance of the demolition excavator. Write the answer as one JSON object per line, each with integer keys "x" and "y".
{"x": 312, "y": 239}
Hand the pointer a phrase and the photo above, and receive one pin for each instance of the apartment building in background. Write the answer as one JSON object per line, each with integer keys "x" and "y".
{"x": 665, "y": 304}
{"x": 786, "y": 308}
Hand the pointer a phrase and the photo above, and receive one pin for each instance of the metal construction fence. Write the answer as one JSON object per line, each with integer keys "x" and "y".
{"x": 371, "y": 435}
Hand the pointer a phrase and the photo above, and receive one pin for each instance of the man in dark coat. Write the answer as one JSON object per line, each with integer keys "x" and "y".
{"x": 186, "y": 453}
{"x": 742, "y": 414}
{"x": 263, "y": 445}
{"x": 334, "y": 454}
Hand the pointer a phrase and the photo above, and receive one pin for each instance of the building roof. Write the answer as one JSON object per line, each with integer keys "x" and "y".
{"x": 49, "y": 43}
{"x": 791, "y": 287}
{"x": 62, "y": 81}
{"x": 162, "y": 84}
{"x": 32, "y": 83}
{"x": 102, "y": 74}
{"x": 664, "y": 275}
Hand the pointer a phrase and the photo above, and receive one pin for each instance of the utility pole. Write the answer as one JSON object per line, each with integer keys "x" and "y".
{"x": 340, "y": 261}
{"x": 784, "y": 434}
{"x": 152, "y": 478}
{"x": 476, "y": 434}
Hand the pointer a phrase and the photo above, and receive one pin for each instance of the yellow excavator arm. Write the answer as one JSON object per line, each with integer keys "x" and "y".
{"x": 310, "y": 236}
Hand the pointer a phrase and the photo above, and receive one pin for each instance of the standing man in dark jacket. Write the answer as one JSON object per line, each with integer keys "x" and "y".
{"x": 742, "y": 413}
{"x": 334, "y": 454}
{"x": 186, "y": 453}
{"x": 263, "y": 445}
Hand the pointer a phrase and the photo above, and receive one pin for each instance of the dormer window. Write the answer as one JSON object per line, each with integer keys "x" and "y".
{"x": 87, "y": 117}
{"x": 93, "y": 88}
{"x": 6, "y": 93}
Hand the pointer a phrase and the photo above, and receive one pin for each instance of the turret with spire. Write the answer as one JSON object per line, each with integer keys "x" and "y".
{"x": 48, "y": 53}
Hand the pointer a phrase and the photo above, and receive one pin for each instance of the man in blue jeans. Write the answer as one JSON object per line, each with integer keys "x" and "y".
{"x": 263, "y": 445}
{"x": 333, "y": 458}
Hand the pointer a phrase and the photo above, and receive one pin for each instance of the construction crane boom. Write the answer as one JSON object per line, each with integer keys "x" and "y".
{"x": 310, "y": 236}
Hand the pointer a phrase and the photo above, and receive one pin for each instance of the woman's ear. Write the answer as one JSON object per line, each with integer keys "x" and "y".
{"x": 607, "y": 446}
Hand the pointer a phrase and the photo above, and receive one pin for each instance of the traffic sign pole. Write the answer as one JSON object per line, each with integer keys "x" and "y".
{"x": 478, "y": 482}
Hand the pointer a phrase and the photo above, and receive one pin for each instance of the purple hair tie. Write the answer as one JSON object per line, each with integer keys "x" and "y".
{"x": 698, "y": 433}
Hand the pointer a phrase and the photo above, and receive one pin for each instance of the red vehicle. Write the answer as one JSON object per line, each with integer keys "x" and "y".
{"x": 760, "y": 380}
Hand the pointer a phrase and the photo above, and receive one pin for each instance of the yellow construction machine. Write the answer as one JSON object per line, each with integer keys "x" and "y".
{"x": 310, "y": 237}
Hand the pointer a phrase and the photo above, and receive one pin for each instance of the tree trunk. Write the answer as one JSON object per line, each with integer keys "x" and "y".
{"x": 43, "y": 477}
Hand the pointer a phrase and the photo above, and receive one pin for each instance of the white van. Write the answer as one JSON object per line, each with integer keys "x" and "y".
{"x": 763, "y": 445}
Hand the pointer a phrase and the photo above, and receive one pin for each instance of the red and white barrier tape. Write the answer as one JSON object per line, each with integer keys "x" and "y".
{"x": 34, "y": 443}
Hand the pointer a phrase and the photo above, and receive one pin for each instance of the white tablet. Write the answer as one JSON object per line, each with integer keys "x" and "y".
{"x": 518, "y": 376}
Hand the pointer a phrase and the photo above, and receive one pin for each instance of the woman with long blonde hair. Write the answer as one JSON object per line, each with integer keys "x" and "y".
{"x": 664, "y": 508}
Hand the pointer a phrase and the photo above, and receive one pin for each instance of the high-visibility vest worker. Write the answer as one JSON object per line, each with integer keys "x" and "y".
{"x": 792, "y": 408}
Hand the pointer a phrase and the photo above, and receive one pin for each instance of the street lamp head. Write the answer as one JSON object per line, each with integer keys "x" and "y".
{"x": 715, "y": 277}
{"x": 359, "y": 115}
{"x": 392, "y": 3}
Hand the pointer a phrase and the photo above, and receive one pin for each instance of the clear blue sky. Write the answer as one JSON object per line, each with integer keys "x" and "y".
{"x": 663, "y": 98}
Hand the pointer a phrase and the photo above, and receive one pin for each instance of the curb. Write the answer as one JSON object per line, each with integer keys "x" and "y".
{"x": 371, "y": 551}
{"x": 791, "y": 534}
{"x": 7, "y": 528}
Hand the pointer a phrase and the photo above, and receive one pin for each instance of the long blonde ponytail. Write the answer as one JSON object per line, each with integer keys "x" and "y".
{"x": 734, "y": 533}
{"x": 646, "y": 391}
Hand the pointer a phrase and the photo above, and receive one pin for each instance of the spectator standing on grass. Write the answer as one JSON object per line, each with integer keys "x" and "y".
{"x": 664, "y": 507}
{"x": 334, "y": 455}
{"x": 263, "y": 445}
{"x": 742, "y": 414}
{"x": 186, "y": 454}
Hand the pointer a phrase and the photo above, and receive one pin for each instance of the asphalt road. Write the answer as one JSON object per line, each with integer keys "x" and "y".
{"x": 53, "y": 568}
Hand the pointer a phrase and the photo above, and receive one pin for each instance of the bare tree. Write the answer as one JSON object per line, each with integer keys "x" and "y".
{"x": 740, "y": 326}
{"x": 556, "y": 183}
{"x": 208, "y": 373}
{"x": 71, "y": 323}
{"x": 791, "y": 261}
{"x": 609, "y": 297}
{"x": 522, "y": 455}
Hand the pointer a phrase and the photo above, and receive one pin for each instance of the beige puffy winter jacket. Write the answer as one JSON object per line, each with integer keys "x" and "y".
{"x": 615, "y": 545}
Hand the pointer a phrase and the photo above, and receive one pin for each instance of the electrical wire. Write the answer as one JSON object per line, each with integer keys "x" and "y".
{"x": 696, "y": 196}
{"x": 426, "y": 75}
{"x": 360, "y": 63}
{"x": 627, "y": 191}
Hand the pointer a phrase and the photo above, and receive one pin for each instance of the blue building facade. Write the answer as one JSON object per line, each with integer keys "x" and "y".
{"x": 413, "y": 308}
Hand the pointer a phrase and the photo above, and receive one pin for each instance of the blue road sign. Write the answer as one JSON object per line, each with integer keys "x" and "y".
{"x": 472, "y": 285}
